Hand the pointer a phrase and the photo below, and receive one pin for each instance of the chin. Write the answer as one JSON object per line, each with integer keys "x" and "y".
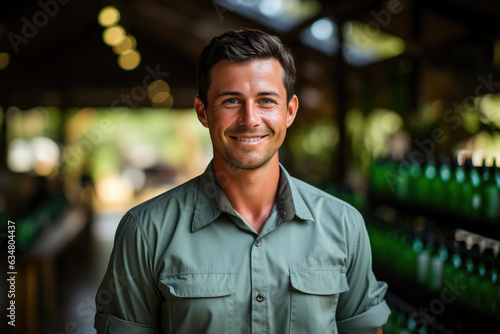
{"x": 249, "y": 164}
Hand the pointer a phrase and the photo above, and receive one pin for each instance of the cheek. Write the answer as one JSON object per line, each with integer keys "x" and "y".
{"x": 275, "y": 116}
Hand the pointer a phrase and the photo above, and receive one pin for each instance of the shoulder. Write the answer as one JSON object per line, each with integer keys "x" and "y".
{"x": 159, "y": 216}
{"x": 184, "y": 194}
{"x": 321, "y": 202}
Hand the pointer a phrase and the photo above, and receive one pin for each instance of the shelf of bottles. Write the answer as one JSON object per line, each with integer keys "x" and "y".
{"x": 404, "y": 319}
{"x": 434, "y": 229}
{"x": 458, "y": 193}
{"x": 448, "y": 272}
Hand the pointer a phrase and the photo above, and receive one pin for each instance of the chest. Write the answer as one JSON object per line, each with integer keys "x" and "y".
{"x": 251, "y": 281}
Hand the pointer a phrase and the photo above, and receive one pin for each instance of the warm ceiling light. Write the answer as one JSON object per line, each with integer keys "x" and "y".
{"x": 156, "y": 87}
{"x": 4, "y": 60}
{"x": 108, "y": 16}
{"x": 167, "y": 104}
{"x": 129, "y": 60}
{"x": 113, "y": 36}
{"x": 128, "y": 43}
{"x": 160, "y": 97}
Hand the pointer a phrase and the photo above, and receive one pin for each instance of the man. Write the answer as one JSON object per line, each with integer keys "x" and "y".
{"x": 243, "y": 248}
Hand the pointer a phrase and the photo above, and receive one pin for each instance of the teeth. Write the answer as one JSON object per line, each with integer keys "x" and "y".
{"x": 248, "y": 139}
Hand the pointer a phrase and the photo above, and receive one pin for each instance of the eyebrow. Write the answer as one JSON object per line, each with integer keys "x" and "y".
{"x": 236, "y": 93}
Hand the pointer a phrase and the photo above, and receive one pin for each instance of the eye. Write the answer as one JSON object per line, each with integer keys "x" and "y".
{"x": 266, "y": 101}
{"x": 230, "y": 101}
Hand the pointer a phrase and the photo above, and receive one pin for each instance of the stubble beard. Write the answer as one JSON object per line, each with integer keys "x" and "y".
{"x": 248, "y": 164}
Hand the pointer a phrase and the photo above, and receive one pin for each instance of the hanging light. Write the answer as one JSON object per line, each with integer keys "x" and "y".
{"x": 127, "y": 44}
{"x": 129, "y": 60}
{"x": 114, "y": 35}
{"x": 108, "y": 16}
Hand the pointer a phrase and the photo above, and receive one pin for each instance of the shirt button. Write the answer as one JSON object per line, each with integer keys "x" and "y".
{"x": 257, "y": 242}
{"x": 260, "y": 297}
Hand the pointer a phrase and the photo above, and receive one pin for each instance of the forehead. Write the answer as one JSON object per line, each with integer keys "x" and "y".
{"x": 254, "y": 72}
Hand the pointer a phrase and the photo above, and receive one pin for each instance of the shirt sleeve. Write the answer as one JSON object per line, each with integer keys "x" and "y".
{"x": 128, "y": 300}
{"x": 362, "y": 309}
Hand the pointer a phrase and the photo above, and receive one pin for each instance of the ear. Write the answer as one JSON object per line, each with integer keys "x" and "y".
{"x": 293, "y": 106}
{"x": 201, "y": 111}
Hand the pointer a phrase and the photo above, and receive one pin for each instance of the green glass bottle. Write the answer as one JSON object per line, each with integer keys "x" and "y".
{"x": 490, "y": 190}
{"x": 454, "y": 269}
{"x": 408, "y": 258}
{"x": 454, "y": 190}
{"x": 438, "y": 260}
{"x": 489, "y": 276}
{"x": 418, "y": 248}
{"x": 466, "y": 190}
{"x": 415, "y": 181}
{"x": 440, "y": 184}
{"x": 474, "y": 273}
{"x": 411, "y": 325}
{"x": 424, "y": 260}
{"x": 476, "y": 201}
{"x": 425, "y": 181}
{"x": 495, "y": 279}
{"x": 401, "y": 321}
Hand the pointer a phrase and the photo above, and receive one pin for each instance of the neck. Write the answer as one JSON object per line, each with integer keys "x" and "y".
{"x": 252, "y": 193}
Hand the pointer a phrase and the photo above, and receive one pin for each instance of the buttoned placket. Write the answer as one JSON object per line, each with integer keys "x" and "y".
{"x": 259, "y": 276}
{"x": 259, "y": 286}
{"x": 259, "y": 272}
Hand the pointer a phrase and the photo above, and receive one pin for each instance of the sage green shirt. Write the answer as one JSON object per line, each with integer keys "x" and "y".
{"x": 187, "y": 262}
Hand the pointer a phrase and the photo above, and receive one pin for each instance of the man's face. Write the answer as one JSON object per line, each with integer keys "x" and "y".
{"x": 247, "y": 113}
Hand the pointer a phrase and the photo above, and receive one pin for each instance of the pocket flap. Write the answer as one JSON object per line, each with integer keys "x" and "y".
{"x": 200, "y": 285}
{"x": 319, "y": 282}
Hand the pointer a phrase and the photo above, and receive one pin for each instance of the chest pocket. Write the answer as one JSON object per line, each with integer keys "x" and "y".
{"x": 315, "y": 294}
{"x": 202, "y": 302}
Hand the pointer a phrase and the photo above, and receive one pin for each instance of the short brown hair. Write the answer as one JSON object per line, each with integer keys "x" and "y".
{"x": 240, "y": 46}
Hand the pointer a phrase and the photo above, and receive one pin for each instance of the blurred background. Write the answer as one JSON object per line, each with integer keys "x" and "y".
{"x": 399, "y": 115}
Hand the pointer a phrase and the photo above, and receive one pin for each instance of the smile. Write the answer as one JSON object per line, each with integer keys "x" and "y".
{"x": 249, "y": 139}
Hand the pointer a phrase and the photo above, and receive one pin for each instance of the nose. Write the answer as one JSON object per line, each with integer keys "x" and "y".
{"x": 250, "y": 115}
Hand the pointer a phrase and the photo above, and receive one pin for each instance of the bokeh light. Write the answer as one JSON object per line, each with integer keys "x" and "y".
{"x": 114, "y": 189}
{"x": 323, "y": 29}
{"x": 129, "y": 60}
{"x": 114, "y": 35}
{"x": 158, "y": 91}
{"x": 20, "y": 156}
{"x": 489, "y": 106}
{"x": 46, "y": 154}
{"x": 40, "y": 154}
{"x": 128, "y": 43}
{"x": 4, "y": 60}
{"x": 108, "y": 16}
{"x": 271, "y": 8}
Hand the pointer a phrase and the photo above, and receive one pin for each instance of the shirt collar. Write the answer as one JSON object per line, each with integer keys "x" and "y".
{"x": 211, "y": 200}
